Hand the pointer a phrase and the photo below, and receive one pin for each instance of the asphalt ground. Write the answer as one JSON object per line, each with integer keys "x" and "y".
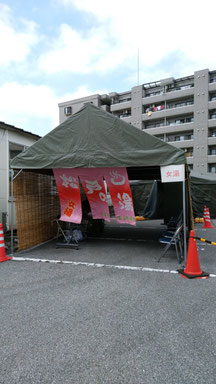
{"x": 95, "y": 322}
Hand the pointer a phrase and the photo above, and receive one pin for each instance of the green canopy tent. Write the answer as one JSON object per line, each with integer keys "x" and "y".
{"x": 93, "y": 138}
{"x": 203, "y": 192}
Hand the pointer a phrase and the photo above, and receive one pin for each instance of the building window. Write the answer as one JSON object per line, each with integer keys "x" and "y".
{"x": 154, "y": 124}
{"x": 125, "y": 100}
{"x": 180, "y": 137}
{"x": 183, "y": 104}
{"x": 124, "y": 113}
{"x": 213, "y": 133}
{"x": 161, "y": 137}
{"x": 212, "y": 150}
{"x": 188, "y": 152}
{"x": 68, "y": 111}
{"x": 213, "y": 98}
{"x": 153, "y": 93}
{"x": 179, "y": 104}
{"x": 212, "y": 168}
{"x": 213, "y": 115}
{"x": 184, "y": 120}
{"x": 15, "y": 149}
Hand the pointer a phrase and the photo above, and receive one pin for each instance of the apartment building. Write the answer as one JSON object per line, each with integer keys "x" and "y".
{"x": 13, "y": 141}
{"x": 180, "y": 111}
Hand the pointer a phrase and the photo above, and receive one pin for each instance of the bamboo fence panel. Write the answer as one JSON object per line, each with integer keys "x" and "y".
{"x": 37, "y": 206}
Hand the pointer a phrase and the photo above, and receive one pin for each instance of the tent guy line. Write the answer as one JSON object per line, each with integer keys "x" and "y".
{"x": 98, "y": 265}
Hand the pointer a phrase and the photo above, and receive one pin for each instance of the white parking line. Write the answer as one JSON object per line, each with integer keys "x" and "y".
{"x": 98, "y": 265}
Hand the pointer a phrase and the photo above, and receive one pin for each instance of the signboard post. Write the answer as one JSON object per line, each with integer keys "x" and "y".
{"x": 172, "y": 174}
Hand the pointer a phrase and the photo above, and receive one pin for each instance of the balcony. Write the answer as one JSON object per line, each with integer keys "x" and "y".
{"x": 176, "y": 87}
{"x": 119, "y": 106}
{"x": 180, "y": 121}
{"x": 212, "y": 150}
{"x": 212, "y": 104}
{"x": 164, "y": 129}
{"x": 179, "y": 104}
{"x": 180, "y": 139}
{"x": 161, "y": 112}
{"x": 149, "y": 109}
{"x": 211, "y": 159}
{"x": 176, "y": 93}
{"x": 212, "y": 86}
{"x": 123, "y": 115}
{"x": 212, "y": 115}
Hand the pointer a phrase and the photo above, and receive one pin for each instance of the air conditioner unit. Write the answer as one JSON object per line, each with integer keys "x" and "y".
{"x": 68, "y": 111}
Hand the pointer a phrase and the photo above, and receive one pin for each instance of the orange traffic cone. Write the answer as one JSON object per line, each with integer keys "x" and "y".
{"x": 3, "y": 257}
{"x": 193, "y": 270}
{"x": 207, "y": 221}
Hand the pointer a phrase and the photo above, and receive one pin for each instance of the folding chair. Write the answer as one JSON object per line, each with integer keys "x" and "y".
{"x": 71, "y": 235}
{"x": 174, "y": 223}
{"x": 170, "y": 238}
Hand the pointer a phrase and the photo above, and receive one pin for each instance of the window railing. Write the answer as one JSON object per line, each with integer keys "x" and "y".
{"x": 180, "y": 137}
{"x": 160, "y": 107}
{"x": 180, "y": 104}
{"x": 186, "y": 120}
{"x": 179, "y": 88}
{"x": 125, "y": 100}
{"x": 154, "y": 93}
{"x": 155, "y": 125}
{"x": 122, "y": 115}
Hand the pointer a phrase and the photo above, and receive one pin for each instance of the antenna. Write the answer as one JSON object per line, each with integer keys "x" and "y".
{"x": 138, "y": 66}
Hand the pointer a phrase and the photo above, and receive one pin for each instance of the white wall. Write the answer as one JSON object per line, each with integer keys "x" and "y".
{"x": 7, "y": 137}
{"x": 3, "y": 171}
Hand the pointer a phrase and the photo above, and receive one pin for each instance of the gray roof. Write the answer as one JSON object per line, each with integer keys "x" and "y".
{"x": 18, "y": 130}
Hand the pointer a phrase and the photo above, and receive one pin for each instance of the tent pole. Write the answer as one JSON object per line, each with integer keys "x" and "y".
{"x": 184, "y": 220}
{"x": 12, "y": 206}
{"x": 12, "y": 210}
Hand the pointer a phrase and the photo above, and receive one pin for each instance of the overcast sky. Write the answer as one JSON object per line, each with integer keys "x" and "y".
{"x": 57, "y": 50}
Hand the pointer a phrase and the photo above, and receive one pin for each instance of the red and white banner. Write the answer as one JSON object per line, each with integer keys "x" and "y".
{"x": 120, "y": 192}
{"x": 92, "y": 180}
{"x": 93, "y": 184}
{"x": 69, "y": 194}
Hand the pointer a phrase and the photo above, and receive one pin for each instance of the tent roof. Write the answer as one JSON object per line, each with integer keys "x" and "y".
{"x": 95, "y": 138}
{"x": 202, "y": 178}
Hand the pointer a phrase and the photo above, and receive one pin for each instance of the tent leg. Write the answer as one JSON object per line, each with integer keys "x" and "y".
{"x": 184, "y": 220}
{"x": 12, "y": 210}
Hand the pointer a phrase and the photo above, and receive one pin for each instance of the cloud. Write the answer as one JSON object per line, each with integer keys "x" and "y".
{"x": 22, "y": 104}
{"x": 34, "y": 107}
{"x": 17, "y": 37}
{"x": 79, "y": 53}
{"x": 82, "y": 91}
{"x": 118, "y": 30}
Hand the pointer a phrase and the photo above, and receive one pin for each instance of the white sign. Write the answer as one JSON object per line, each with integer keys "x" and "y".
{"x": 172, "y": 173}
